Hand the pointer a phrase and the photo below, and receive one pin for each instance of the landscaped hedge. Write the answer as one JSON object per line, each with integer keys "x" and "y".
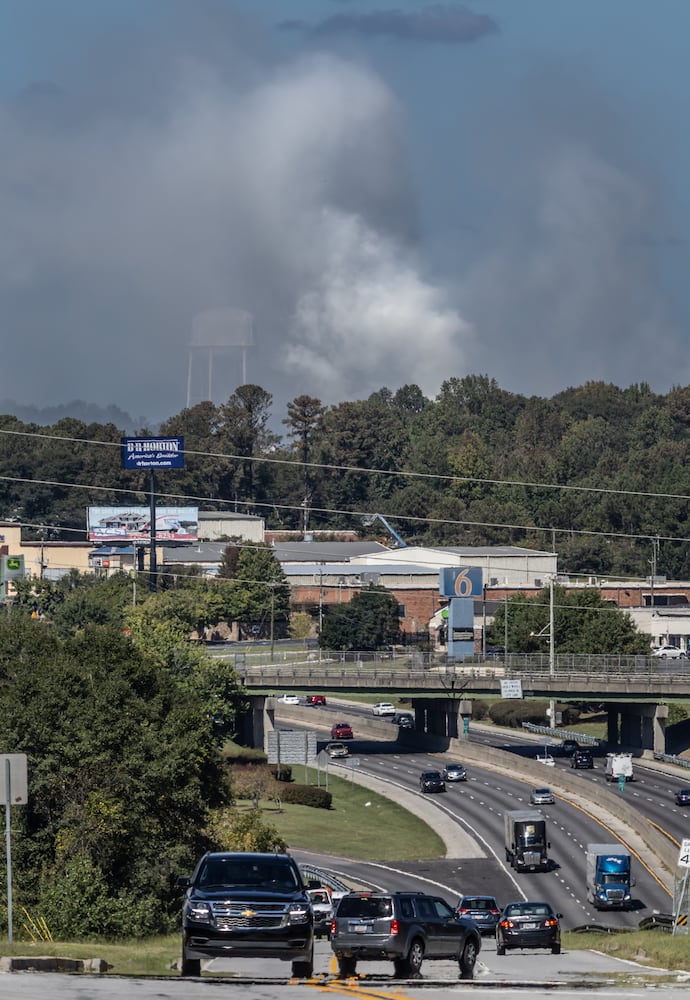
{"x": 307, "y": 795}
{"x": 513, "y": 713}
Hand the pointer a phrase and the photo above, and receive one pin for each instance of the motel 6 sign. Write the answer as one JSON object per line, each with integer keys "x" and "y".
{"x": 461, "y": 584}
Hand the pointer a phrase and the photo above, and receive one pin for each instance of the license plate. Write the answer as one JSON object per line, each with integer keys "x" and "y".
{"x": 530, "y": 927}
{"x": 361, "y": 928}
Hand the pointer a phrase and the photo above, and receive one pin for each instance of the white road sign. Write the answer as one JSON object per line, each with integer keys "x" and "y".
{"x": 684, "y": 854}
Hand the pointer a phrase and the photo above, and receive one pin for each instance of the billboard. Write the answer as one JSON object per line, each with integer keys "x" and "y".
{"x": 133, "y": 524}
{"x": 153, "y": 453}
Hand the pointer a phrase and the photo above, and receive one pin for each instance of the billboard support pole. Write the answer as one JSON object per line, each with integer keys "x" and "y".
{"x": 153, "y": 561}
{"x": 8, "y": 847}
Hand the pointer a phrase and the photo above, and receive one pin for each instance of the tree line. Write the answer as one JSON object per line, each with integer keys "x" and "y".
{"x": 597, "y": 472}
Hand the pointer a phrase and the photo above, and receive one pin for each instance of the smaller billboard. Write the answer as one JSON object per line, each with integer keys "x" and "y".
{"x": 133, "y": 524}
{"x": 153, "y": 453}
{"x": 12, "y": 568}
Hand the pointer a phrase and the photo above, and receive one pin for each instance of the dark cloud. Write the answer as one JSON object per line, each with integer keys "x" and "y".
{"x": 184, "y": 167}
{"x": 452, "y": 24}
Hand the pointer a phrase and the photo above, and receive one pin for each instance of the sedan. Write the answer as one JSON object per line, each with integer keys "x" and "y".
{"x": 541, "y": 797}
{"x": 289, "y": 699}
{"x": 336, "y": 750}
{"x": 404, "y": 720}
{"x": 528, "y": 925}
{"x": 341, "y": 731}
{"x": 431, "y": 781}
{"x": 546, "y": 759}
{"x": 454, "y": 772}
{"x": 484, "y": 910}
{"x": 383, "y": 708}
{"x": 683, "y": 797}
{"x": 669, "y": 652}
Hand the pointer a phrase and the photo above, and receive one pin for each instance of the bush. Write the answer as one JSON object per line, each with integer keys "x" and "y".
{"x": 307, "y": 795}
{"x": 76, "y": 903}
{"x": 232, "y": 754}
{"x": 480, "y": 709}
{"x": 513, "y": 713}
{"x": 282, "y": 773}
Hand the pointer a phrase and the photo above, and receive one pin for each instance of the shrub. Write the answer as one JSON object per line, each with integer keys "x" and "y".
{"x": 480, "y": 709}
{"x": 230, "y": 830}
{"x": 307, "y": 795}
{"x": 282, "y": 773}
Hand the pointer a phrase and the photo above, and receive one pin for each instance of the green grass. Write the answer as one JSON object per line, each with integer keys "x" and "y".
{"x": 358, "y": 825}
{"x": 152, "y": 957}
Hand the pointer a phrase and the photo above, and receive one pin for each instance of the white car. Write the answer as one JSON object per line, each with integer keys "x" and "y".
{"x": 546, "y": 759}
{"x": 541, "y": 797}
{"x": 669, "y": 652}
{"x": 289, "y": 699}
{"x": 383, "y": 708}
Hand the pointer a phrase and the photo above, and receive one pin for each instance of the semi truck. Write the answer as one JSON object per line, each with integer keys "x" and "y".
{"x": 525, "y": 840}
{"x": 619, "y": 765}
{"x": 608, "y": 876}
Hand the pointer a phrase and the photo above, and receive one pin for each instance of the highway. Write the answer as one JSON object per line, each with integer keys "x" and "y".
{"x": 478, "y": 806}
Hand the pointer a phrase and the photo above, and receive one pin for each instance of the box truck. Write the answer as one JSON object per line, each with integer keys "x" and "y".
{"x": 608, "y": 876}
{"x": 525, "y": 840}
{"x": 619, "y": 765}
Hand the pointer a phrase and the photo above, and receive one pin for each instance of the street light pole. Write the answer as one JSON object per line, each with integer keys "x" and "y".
{"x": 552, "y": 654}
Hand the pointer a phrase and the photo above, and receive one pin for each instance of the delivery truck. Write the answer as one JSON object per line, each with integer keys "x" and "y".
{"x": 525, "y": 840}
{"x": 619, "y": 765}
{"x": 608, "y": 876}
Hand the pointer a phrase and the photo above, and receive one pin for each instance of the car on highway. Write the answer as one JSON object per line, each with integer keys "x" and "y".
{"x": 383, "y": 708}
{"x": 289, "y": 699}
{"x": 546, "y": 759}
{"x": 315, "y": 699}
{"x": 336, "y": 750}
{"x": 405, "y": 928}
{"x": 541, "y": 796}
{"x": 528, "y": 924}
{"x": 248, "y": 905}
{"x": 668, "y": 652}
{"x": 341, "y": 731}
{"x": 683, "y": 797}
{"x": 566, "y": 748}
{"x": 484, "y": 910}
{"x": 404, "y": 720}
{"x": 431, "y": 781}
{"x": 454, "y": 772}
{"x": 582, "y": 758}
{"x": 322, "y": 908}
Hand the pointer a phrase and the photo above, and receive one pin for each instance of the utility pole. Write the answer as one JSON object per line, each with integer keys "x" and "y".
{"x": 552, "y": 654}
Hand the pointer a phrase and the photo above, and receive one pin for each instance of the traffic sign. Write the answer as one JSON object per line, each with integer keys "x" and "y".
{"x": 684, "y": 854}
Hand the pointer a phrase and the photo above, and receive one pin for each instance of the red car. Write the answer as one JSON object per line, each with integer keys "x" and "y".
{"x": 341, "y": 731}
{"x": 316, "y": 699}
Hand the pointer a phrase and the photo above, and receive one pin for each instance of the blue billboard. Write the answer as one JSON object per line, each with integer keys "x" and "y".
{"x": 153, "y": 453}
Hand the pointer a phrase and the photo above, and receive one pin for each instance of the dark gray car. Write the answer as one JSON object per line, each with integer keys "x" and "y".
{"x": 404, "y": 927}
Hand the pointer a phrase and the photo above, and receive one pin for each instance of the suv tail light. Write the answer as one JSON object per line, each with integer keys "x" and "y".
{"x": 395, "y": 926}
{"x": 332, "y": 928}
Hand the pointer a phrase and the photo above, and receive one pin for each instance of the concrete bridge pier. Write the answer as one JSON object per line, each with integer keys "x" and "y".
{"x": 258, "y": 721}
{"x": 642, "y": 725}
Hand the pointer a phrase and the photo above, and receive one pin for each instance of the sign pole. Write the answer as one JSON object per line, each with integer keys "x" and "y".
{"x": 8, "y": 849}
{"x": 153, "y": 558}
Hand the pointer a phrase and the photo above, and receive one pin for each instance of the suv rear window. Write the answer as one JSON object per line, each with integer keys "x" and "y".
{"x": 364, "y": 906}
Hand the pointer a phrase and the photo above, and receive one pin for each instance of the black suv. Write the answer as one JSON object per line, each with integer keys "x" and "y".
{"x": 405, "y": 928}
{"x": 431, "y": 781}
{"x": 582, "y": 758}
{"x": 566, "y": 748}
{"x": 248, "y": 905}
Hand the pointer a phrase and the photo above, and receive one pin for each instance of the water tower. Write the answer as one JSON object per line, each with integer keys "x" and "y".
{"x": 218, "y": 335}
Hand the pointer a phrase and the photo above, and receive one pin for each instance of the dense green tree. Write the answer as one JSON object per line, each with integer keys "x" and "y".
{"x": 123, "y": 771}
{"x": 369, "y": 621}
{"x": 583, "y": 623}
{"x": 261, "y": 594}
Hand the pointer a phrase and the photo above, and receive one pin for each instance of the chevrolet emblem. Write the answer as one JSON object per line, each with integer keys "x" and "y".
{"x": 248, "y": 913}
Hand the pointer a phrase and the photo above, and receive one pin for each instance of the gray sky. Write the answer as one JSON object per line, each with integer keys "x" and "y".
{"x": 396, "y": 193}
